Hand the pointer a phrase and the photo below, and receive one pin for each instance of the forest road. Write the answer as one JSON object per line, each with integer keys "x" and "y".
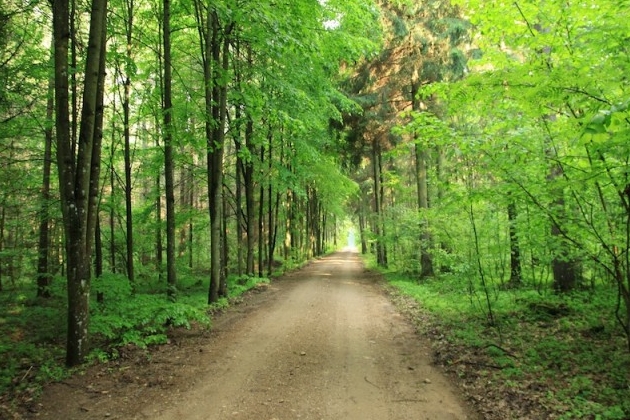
{"x": 323, "y": 342}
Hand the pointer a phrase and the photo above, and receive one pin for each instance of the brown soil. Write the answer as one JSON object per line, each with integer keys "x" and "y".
{"x": 321, "y": 343}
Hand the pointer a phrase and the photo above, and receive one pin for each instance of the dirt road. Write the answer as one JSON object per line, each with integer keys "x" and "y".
{"x": 322, "y": 343}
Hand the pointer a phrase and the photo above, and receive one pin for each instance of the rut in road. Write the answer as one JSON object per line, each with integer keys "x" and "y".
{"x": 331, "y": 346}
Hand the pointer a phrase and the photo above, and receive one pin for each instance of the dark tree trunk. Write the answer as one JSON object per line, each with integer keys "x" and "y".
{"x": 98, "y": 258}
{"x": 362, "y": 225}
{"x": 225, "y": 255}
{"x": 217, "y": 63}
{"x": 191, "y": 206}
{"x": 238, "y": 199}
{"x": 270, "y": 220}
{"x": 44, "y": 277}
{"x": 126, "y": 134}
{"x": 169, "y": 176}
{"x": 381, "y": 258}
{"x": 248, "y": 181}
{"x": 515, "y": 250}
{"x": 239, "y": 222}
{"x": 78, "y": 174}
{"x": 426, "y": 259}
{"x": 261, "y": 223}
{"x": 563, "y": 266}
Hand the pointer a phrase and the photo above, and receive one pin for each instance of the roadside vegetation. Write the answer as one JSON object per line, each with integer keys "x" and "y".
{"x": 544, "y": 356}
{"x": 32, "y": 331}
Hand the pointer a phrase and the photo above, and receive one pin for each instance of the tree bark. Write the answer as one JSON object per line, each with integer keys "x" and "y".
{"x": 127, "y": 135}
{"x": 44, "y": 278}
{"x": 515, "y": 250}
{"x": 76, "y": 172}
{"x": 169, "y": 177}
{"x": 426, "y": 259}
{"x": 381, "y": 257}
{"x": 112, "y": 196}
{"x": 248, "y": 182}
{"x": 564, "y": 267}
{"x": 261, "y": 222}
{"x": 217, "y": 64}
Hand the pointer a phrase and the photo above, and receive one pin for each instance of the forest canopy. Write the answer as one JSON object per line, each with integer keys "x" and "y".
{"x": 164, "y": 156}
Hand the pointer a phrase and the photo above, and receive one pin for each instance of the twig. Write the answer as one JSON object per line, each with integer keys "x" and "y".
{"x": 26, "y": 374}
{"x": 464, "y": 362}
{"x": 502, "y": 349}
{"x": 371, "y": 383}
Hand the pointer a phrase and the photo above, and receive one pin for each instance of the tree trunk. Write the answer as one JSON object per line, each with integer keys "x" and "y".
{"x": 515, "y": 250}
{"x": 238, "y": 199}
{"x": 239, "y": 211}
{"x": 191, "y": 206}
{"x": 44, "y": 278}
{"x": 426, "y": 259}
{"x": 261, "y": 223}
{"x": 225, "y": 248}
{"x": 169, "y": 176}
{"x": 77, "y": 180}
{"x": 563, "y": 266}
{"x": 248, "y": 181}
{"x": 217, "y": 64}
{"x": 98, "y": 258}
{"x": 378, "y": 210}
{"x": 362, "y": 225}
{"x": 127, "y": 135}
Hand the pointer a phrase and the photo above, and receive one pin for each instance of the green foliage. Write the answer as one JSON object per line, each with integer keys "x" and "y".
{"x": 239, "y": 285}
{"x": 564, "y": 350}
{"x": 31, "y": 352}
{"x": 140, "y": 319}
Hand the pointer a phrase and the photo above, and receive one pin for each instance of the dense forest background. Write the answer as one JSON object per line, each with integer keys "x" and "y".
{"x": 158, "y": 158}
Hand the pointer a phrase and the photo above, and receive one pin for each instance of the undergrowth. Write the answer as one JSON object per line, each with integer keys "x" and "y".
{"x": 563, "y": 354}
{"x": 33, "y": 330}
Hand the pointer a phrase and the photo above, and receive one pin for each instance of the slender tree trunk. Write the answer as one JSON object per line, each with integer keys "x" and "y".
{"x": 378, "y": 210}
{"x": 248, "y": 181}
{"x": 98, "y": 250}
{"x": 564, "y": 268}
{"x": 94, "y": 222}
{"x": 288, "y": 234}
{"x": 112, "y": 195}
{"x": 261, "y": 223}
{"x": 183, "y": 203}
{"x": 270, "y": 219}
{"x": 426, "y": 259}
{"x": 191, "y": 206}
{"x": 239, "y": 202}
{"x": 98, "y": 258}
{"x": 127, "y": 135}
{"x": 44, "y": 278}
{"x": 362, "y": 226}
{"x": 225, "y": 249}
{"x": 159, "y": 243}
{"x": 169, "y": 175}
{"x": 515, "y": 250}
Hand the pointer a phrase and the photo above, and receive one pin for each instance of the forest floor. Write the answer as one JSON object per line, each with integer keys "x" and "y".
{"x": 324, "y": 342}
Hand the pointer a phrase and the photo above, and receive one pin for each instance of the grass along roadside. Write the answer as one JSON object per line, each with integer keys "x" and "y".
{"x": 32, "y": 330}
{"x": 546, "y": 356}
